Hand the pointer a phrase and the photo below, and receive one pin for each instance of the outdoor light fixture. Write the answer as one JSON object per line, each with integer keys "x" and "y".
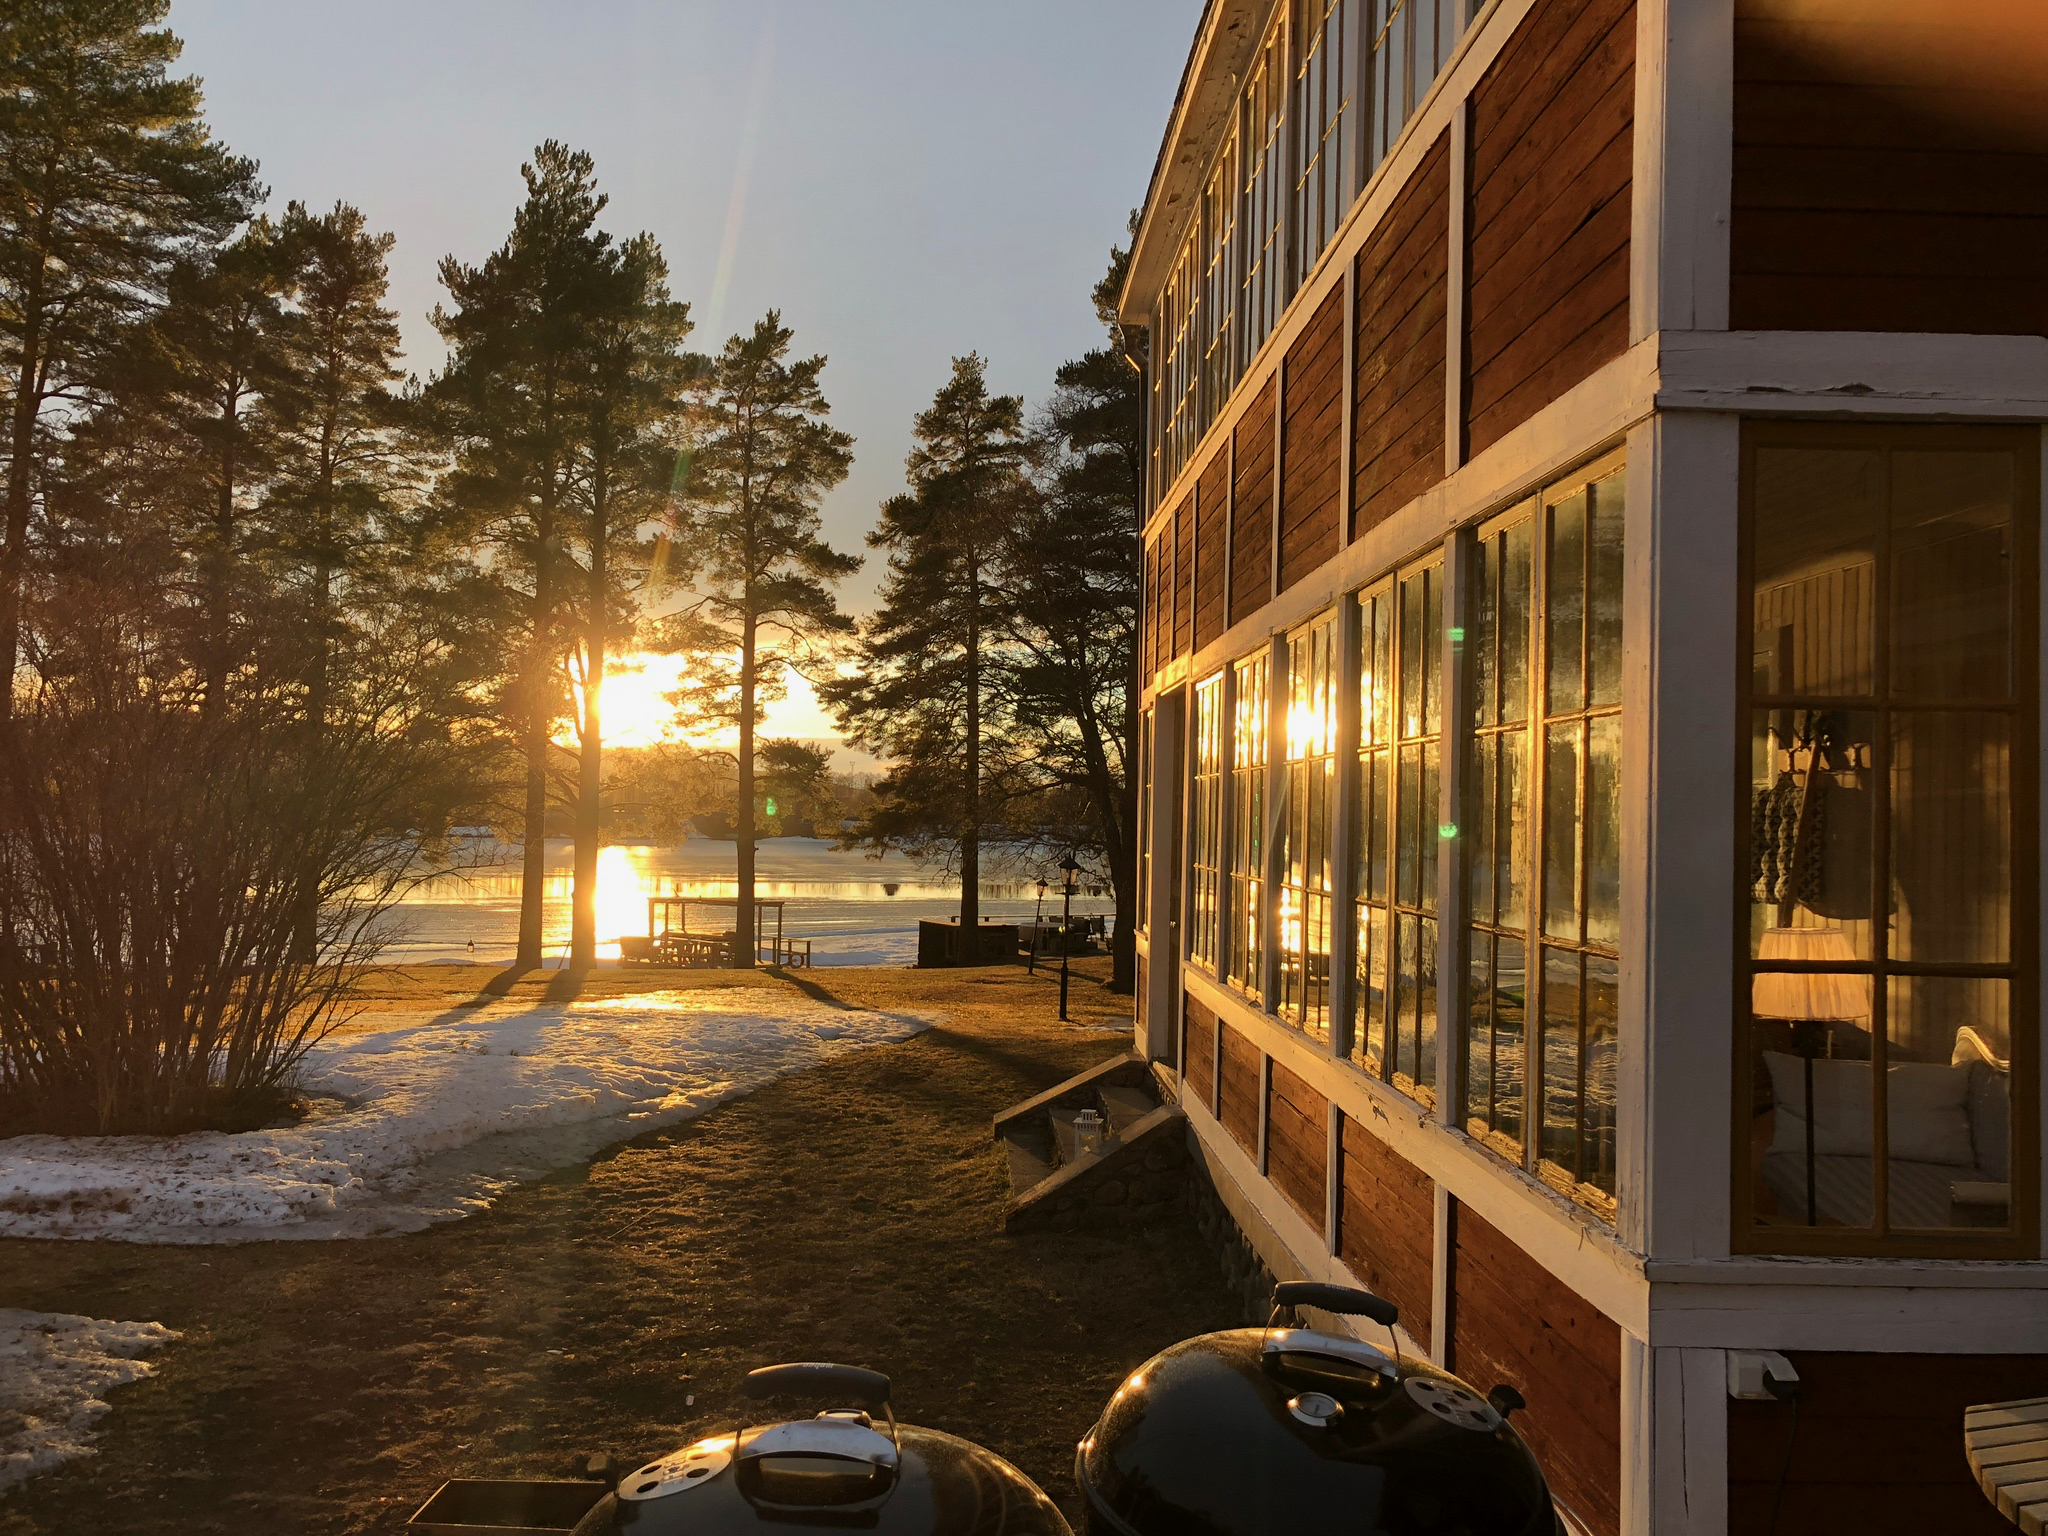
{"x": 1069, "y": 872}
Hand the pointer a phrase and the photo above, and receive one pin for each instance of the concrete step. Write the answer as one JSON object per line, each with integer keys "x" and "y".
{"x": 1029, "y": 1157}
{"x": 1124, "y": 1105}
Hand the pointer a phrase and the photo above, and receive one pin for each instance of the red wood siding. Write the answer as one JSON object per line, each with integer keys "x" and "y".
{"x": 1251, "y": 509}
{"x": 1183, "y": 574}
{"x": 1891, "y": 166}
{"x": 1310, "y": 464}
{"x": 1513, "y": 1321}
{"x": 1212, "y": 528}
{"x": 1880, "y": 1446}
{"x": 1199, "y": 1048}
{"x": 1298, "y": 1144}
{"x": 1552, "y": 153}
{"x": 1237, "y": 1090}
{"x": 1398, "y": 357}
{"x": 1386, "y": 1226}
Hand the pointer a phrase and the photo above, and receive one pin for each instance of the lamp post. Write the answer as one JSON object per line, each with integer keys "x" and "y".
{"x": 1068, "y": 870}
{"x": 1037, "y": 919}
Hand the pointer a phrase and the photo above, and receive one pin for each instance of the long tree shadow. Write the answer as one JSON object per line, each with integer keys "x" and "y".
{"x": 567, "y": 985}
{"x": 811, "y": 989}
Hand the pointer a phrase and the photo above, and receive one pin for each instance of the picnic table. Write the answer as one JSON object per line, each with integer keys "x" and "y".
{"x": 672, "y": 940}
{"x": 2007, "y": 1445}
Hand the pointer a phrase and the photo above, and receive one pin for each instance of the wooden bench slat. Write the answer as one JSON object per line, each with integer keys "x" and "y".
{"x": 2000, "y": 1415}
{"x": 2035, "y": 1449}
{"x": 2010, "y": 1497}
{"x": 2005, "y": 1434}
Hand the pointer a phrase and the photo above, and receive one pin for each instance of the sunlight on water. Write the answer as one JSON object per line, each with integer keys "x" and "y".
{"x": 621, "y": 898}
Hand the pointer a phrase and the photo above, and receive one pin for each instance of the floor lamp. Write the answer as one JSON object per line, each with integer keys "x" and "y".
{"x": 1808, "y": 998}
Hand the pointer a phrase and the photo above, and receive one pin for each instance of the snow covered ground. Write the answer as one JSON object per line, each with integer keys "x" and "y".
{"x": 428, "y": 1118}
{"x": 55, "y": 1372}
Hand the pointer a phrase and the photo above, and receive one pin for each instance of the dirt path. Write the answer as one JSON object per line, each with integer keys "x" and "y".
{"x": 850, "y": 1213}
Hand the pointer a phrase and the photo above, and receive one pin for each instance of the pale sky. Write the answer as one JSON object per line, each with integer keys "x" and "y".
{"x": 905, "y": 179}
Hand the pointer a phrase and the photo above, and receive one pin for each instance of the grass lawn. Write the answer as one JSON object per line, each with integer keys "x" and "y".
{"x": 851, "y": 1212}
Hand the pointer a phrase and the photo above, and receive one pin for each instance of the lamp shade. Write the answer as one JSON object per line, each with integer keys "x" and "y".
{"x": 1808, "y": 994}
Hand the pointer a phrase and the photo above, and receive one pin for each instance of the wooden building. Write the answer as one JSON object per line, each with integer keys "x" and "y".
{"x": 1591, "y": 859}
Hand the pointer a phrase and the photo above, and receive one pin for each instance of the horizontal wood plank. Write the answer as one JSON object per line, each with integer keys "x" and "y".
{"x": 1297, "y": 1144}
{"x": 1200, "y": 1051}
{"x": 1309, "y": 457}
{"x": 1212, "y": 529}
{"x": 1386, "y": 1226}
{"x": 1512, "y": 1321}
{"x": 1237, "y": 1090}
{"x": 1251, "y": 508}
{"x": 1184, "y": 575}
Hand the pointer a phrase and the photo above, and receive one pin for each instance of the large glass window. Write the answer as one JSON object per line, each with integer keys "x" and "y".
{"x": 1542, "y": 806}
{"x": 1261, "y": 218}
{"x": 1306, "y": 823}
{"x": 1410, "y": 43}
{"x": 1325, "y": 76}
{"x": 1206, "y": 816}
{"x": 1219, "y": 284}
{"x": 1498, "y": 641}
{"x": 1400, "y": 832}
{"x": 1244, "y": 949}
{"x": 1889, "y": 985}
{"x": 1180, "y": 404}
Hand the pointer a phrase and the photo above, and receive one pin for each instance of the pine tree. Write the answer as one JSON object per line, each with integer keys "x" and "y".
{"x": 1071, "y": 569}
{"x": 628, "y": 403}
{"x": 748, "y": 535}
{"x": 107, "y": 177}
{"x": 928, "y": 694}
{"x": 518, "y": 333}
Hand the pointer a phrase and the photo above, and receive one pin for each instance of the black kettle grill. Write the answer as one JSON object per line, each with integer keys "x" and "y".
{"x": 1284, "y": 1430}
{"x": 839, "y": 1470}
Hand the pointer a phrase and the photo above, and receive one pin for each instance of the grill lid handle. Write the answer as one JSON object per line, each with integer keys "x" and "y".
{"x": 1342, "y": 1299}
{"x": 841, "y": 1383}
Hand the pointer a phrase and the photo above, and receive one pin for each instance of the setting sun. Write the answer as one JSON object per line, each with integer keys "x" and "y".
{"x": 638, "y": 711}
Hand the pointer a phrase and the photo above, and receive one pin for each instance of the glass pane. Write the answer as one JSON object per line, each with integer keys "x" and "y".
{"x": 1479, "y": 1031}
{"x": 1564, "y": 609}
{"x": 1408, "y": 837}
{"x": 1482, "y": 845}
{"x": 1816, "y": 541}
{"x": 1561, "y": 831}
{"x": 1428, "y": 812}
{"x": 1376, "y": 698}
{"x": 1951, "y": 806}
{"x": 1516, "y": 600}
{"x": 1371, "y": 1045}
{"x": 1514, "y": 849}
{"x": 1373, "y": 791}
{"x": 1596, "y": 1135}
{"x": 1603, "y": 831}
{"x": 1559, "y": 1133}
{"x": 1414, "y": 614}
{"x": 1432, "y": 652}
{"x": 1951, "y": 563}
{"x": 1482, "y": 632}
{"x": 1810, "y": 832}
{"x": 1812, "y": 1128}
{"x": 1405, "y": 989}
{"x": 1948, "y": 1102}
{"x": 1424, "y": 1071}
{"x": 1603, "y": 644}
{"x": 1510, "y": 997}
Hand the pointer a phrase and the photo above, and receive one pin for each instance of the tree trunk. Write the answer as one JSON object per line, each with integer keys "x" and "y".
{"x": 22, "y": 442}
{"x": 590, "y": 754}
{"x": 533, "y": 874}
{"x": 744, "y": 952}
{"x": 970, "y": 833}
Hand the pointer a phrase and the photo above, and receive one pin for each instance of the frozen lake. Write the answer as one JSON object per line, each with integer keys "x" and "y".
{"x": 855, "y": 910}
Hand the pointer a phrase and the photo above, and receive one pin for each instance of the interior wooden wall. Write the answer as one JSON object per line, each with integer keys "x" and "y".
{"x": 1212, "y": 529}
{"x": 1237, "y": 1089}
{"x": 1891, "y": 166}
{"x": 1386, "y": 1226}
{"x": 1512, "y": 1321}
{"x": 1310, "y": 459}
{"x": 1251, "y": 509}
{"x": 1880, "y": 1446}
{"x": 1553, "y": 155}
{"x": 1298, "y": 1144}
{"x": 1402, "y": 283}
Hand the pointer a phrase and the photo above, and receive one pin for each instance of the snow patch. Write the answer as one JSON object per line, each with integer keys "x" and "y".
{"x": 55, "y": 1370}
{"x": 429, "y": 1119}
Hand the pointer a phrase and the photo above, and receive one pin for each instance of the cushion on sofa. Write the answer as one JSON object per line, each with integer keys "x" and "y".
{"x": 1928, "y": 1114}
